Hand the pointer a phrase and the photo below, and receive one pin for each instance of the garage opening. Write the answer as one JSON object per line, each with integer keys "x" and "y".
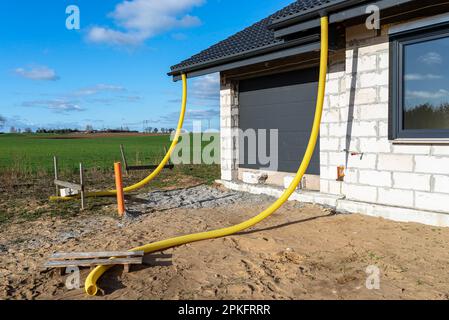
{"x": 283, "y": 101}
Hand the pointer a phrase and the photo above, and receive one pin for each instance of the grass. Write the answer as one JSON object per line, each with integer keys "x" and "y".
{"x": 26, "y": 171}
{"x": 30, "y": 153}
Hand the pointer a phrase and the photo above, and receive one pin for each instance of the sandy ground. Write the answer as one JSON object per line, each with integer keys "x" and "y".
{"x": 301, "y": 252}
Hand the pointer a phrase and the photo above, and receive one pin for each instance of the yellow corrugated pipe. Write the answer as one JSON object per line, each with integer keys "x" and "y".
{"x": 90, "y": 284}
{"x": 159, "y": 168}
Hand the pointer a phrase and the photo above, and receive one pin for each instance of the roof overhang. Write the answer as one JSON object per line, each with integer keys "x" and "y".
{"x": 309, "y": 47}
{"x": 312, "y": 13}
{"x": 306, "y": 22}
{"x": 271, "y": 52}
{"x": 339, "y": 16}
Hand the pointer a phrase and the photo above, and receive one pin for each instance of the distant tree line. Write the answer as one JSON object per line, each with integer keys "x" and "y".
{"x": 89, "y": 129}
{"x": 159, "y": 130}
{"x": 58, "y": 131}
{"x": 427, "y": 116}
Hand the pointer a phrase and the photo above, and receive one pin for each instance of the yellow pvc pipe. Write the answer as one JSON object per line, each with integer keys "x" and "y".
{"x": 161, "y": 165}
{"x": 90, "y": 284}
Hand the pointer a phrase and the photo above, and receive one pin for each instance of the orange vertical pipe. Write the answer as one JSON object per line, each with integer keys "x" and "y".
{"x": 119, "y": 188}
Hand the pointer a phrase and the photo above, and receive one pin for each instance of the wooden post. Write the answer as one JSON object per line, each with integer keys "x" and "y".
{"x": 119, "y": 187}
{"x": 125, "y": 163}
{"x": 55, "y": 164}
{"x": 82, "y": 186}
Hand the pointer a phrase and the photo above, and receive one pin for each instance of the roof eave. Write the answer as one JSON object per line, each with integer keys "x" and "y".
{"x": 276, "y": 55}
{"x": 244, "y": 55}
{"x": 350, "y": 13}
{"x": 313, "y": 13}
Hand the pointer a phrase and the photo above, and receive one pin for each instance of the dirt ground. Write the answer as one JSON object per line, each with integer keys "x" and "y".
{"x": 301, "y": 252}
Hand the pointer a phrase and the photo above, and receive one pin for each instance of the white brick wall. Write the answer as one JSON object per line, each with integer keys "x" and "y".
{"x": 441, "y": 184}
{"x": 431, "y": 164}
{"x": 374, "y": 145}
{"x": 375, "y": 178}
{"x": 431, "y": 201}
{"x": 395, "y": 162}
{"x": 411, "y": 181}
{"x": 412, "y": 176}
{"x": 228, "y": 124}
{"x": 396, "y": 197}
{"x": 355, "y": 120}
{"x": 365, "y": 161}
{"x": 411, "y": 149}
{"x": 440, "y": 150}
{"x": 360, "y": 193}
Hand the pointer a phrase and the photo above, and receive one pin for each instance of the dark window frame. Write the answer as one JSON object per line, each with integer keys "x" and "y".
{"x": 397, "y": 43}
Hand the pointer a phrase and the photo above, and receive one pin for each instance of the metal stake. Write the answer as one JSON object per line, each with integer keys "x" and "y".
{"x": 55, "y": 163}
{"x": 125, "y": 163}
{"x": 82, "y": 186}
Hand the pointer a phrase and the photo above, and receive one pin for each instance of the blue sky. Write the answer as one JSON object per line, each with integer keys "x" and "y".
{"x": 426, "y": 74}
{"x": 112, "y": 72}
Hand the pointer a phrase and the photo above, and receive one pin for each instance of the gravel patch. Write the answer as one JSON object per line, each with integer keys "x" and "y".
{"x": 195, "y": 198}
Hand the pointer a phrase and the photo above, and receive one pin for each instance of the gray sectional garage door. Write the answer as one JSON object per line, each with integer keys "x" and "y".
{"x": 285, "y": 102}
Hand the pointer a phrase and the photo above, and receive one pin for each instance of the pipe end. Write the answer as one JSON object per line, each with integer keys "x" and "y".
{"x": 92, "y": 290}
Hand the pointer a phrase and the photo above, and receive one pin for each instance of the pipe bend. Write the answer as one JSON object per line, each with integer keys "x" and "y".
{"x": 159, "y": 168}
{"x": 91, "y": 281}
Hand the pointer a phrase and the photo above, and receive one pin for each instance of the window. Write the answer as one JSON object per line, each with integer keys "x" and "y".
{"x": 419, "y": 103}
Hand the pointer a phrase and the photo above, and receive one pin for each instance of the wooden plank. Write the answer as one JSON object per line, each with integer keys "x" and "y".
{"x": 70, "y": 185}
{"x": 91, "y": 262}
{"x": 93, "y": 255}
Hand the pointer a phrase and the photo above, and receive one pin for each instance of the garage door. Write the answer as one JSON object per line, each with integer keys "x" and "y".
{"x": 285, "y": 102}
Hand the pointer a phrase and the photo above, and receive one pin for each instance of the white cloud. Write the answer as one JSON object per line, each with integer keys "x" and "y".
{"x": 109, "y": 101}
{"x": 431, "y": 58}
{"x": 37, "y": 73}
{"x": 57, "y": 105}
{"x": 206, "y": 88}
{"x": 139, "y": 20}
{"x": 419, "y": 77}
{"x": 109, "y": 36}
{"x": 99, "y": 88}
{"x": 78, "y": 100}
{"x": 198, "y": 114}
{"x": 202, "y": 114}
{"x": 428, "y": 94}
{"x": 202, "y": 91}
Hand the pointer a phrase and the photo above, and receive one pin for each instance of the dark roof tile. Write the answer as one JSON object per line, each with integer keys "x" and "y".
{"x": 298, "y": 7}
{"x": 257, "y": 36}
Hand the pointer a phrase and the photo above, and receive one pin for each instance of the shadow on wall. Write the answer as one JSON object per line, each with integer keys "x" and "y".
{"x": 352, "y": 91}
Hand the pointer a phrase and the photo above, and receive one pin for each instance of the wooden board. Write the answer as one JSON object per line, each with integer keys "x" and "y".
{"x": 92, "y": 262}
{"x": 69, "y": 185}
{"x": 93, "y": 255}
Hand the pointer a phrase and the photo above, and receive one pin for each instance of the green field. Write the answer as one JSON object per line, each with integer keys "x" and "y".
{"x": 26, "y": 170}
{"x": 34, "y": 152}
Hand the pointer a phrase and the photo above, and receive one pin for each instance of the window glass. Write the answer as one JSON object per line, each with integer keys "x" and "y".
{"x": 426, "y": 85}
